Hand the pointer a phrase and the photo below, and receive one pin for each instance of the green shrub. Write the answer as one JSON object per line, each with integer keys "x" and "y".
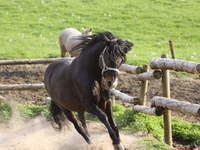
{"x": 5, "y": 111}
{"x": 182, "y": 131}
{"x": 33, "y": 110}
{"x": 186, "y": 132}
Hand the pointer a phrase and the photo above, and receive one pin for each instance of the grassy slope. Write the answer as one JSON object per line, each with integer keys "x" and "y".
{"x": 30, "y": 28}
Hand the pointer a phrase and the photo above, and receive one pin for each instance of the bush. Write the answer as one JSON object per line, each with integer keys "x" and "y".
{"x": 186, "y": 132}
{"x": 34, "y": 110}
{"x": 183, "y": 132}
{"x": 5, "y": 111}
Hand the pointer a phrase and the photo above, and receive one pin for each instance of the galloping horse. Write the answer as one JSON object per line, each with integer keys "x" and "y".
{"x": 68, "y": 39}
{"x": 84, "y": 85}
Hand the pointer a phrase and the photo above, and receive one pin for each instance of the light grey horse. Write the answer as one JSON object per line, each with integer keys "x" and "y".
{"x": 68, "y": 39}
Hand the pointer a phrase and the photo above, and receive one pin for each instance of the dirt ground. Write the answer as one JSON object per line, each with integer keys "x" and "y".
{"x": 182, "y": 87}
{"x": 37, "y": 133}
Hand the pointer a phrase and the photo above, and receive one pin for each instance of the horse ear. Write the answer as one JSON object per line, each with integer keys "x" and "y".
{"x": 128, "y": 46}
{"x": 87, "y": 32}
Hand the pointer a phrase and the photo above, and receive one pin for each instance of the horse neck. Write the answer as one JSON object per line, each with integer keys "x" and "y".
{"x": 90, "y": 59}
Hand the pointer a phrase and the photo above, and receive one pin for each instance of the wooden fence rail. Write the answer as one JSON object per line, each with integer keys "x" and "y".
{"x": 124, "y": 67}
{"x": 147, "y": 110}
{"x": 22, "y": 86}
{"x": 157, "y": 74}
{"x": 131, "y": 69}
{"x": 175, "y": 64}
{"x": 125, "y": 97}
{"x": 176, "y": 105}
{"x": 31, "y": 61}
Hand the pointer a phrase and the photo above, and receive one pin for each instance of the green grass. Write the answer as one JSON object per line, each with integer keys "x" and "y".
{"x": 153, "y": 144}
{"x": 30, "y": 111}
{"x": 30, "y": 28}
{"x": 5, "y": 112}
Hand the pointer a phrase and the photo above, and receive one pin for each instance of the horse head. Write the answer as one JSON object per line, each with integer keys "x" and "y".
{"x": 111, "y": 58}
{"x": 108, "y": 52}
{"x": 87, "y": 32}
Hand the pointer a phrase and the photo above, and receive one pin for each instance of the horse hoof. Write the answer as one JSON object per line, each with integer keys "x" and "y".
{"x": 88, "y": 141}
{"x": 119, "y": 147}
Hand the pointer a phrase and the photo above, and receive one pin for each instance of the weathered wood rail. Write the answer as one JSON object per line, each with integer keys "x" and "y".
{"x": 22, "y": 86}
{"x": 157, "y": 74}
{"x": 124, "y": 67}
{"x": 175, "y": 64}
{"x": 148, "y": 110}
{"x": 31, "y": 61}
{"x": 176, "y": 105}
{"x": 125, "y": 97}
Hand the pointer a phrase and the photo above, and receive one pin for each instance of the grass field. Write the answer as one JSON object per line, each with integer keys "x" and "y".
{"x": 30, "y": 28}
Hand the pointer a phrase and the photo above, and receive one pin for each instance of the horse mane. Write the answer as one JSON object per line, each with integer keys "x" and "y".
{"x": 116, "y": 48}
{"x": 89, "y": 40}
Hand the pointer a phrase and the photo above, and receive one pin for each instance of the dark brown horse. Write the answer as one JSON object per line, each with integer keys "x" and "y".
{"x": 84, "y": 85}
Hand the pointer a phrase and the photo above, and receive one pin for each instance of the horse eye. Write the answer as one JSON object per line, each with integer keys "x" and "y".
{"x": 119, "y": 61}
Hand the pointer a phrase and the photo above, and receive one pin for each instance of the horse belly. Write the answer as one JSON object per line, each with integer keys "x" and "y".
{"x": 67, "y": 98}
{"x": 73, "y": 105}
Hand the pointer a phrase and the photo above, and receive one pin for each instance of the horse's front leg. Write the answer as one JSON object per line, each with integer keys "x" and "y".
{"x": 89, "y": 98}
{"x": 93, "y": 108}
{"x": 80, "y": 130}
{"x": 108, "y": 111}
{"x": 107, "y": 108}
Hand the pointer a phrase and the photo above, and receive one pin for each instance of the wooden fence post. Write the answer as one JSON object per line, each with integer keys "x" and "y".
{"x": 167, "y": 112}
{"x": 171, "y": 49}
{"x": 144, "y": 87}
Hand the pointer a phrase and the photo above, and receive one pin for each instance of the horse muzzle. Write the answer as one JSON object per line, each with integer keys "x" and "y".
{"x": 109, "y": 83}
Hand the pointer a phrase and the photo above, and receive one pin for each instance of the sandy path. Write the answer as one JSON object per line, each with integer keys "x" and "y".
{"x": 37, "y": 134}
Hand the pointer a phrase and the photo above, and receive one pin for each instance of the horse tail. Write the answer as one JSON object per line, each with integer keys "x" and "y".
{"x": 57, "y": 116}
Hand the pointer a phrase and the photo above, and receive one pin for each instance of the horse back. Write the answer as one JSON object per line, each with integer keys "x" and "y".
{"x": 55, "y": 73}
{"x": 68, "y": 38}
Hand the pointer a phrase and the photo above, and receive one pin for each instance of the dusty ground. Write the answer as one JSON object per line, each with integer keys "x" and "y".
{"x": 39, "y": 134}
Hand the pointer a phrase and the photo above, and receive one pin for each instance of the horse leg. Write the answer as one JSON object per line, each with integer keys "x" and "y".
{"x": 108, "y": 111}
{"x": 81, "y": 117}
{"x": 56, "y": 114}
{"x": 62, "y": 50}
{"x": 80, "y": 130}
{"x": 107, "y": 108}
{"x": 92, "y": 108}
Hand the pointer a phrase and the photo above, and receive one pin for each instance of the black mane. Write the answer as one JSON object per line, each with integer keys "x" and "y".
{"x": 117, "y": 47}
{"x": 88, "y": 41}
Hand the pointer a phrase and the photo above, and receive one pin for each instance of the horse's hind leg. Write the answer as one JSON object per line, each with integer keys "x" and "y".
{"x": 62, "y": 50}
{"x": 56, "y": 114}
{"x": 81, "y": 117}
{"x": 80, "y": 130}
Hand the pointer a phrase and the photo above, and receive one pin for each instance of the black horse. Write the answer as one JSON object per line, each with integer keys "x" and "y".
{"x": 84, "y": 84}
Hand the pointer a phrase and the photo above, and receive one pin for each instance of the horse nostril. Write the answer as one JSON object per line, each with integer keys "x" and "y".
{"x": 109, "y": 83}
